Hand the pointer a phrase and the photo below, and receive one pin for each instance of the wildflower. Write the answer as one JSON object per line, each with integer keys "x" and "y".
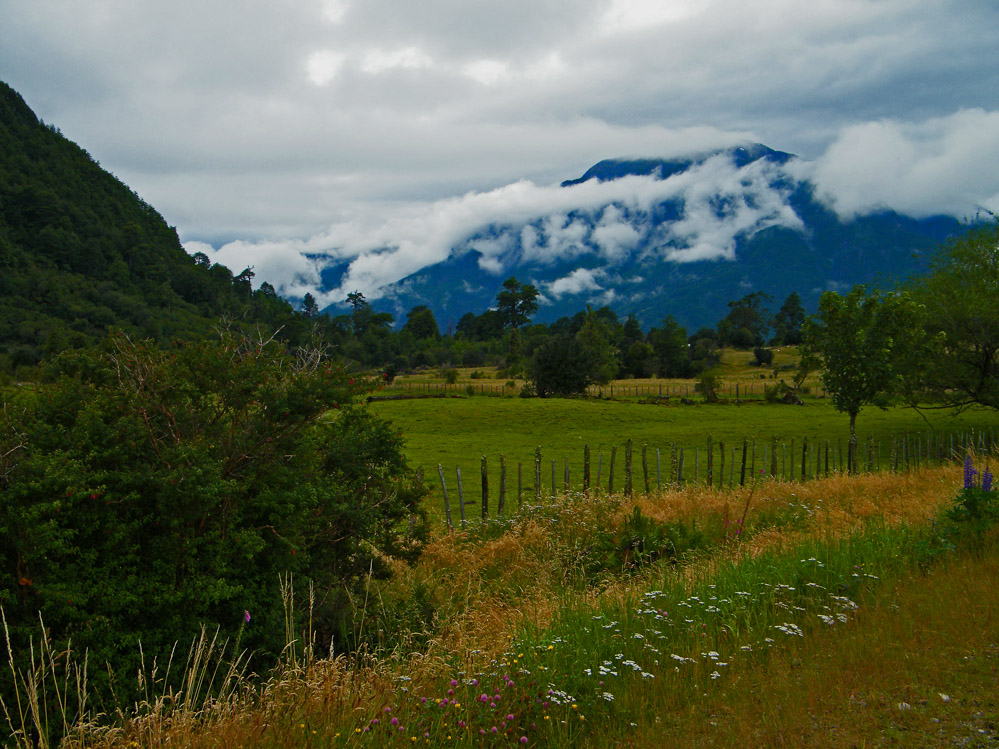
{"x": 969, "y": 473}
{"x": 523, "y": 739}
{"x": 246, "y": 617}
{"x": 986, "y": 480}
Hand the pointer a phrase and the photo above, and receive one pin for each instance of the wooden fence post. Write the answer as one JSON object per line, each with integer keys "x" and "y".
{"x": 710, "y": 478}
{"x": 773, "y": 457}
{"x": 461, "y": 498}
{"x": 645, "y": 468}
{"x": 586, "y": 469}
{"x": 742, "y": 470}
{"x": 674, "y": 467}
{"x": 804, "y": 459}
{"x": 502, "y": 487}
{"x": 791, "y": 461}
{"x": 721, "y": 464}
{"x": 679, "y": 470}
{"x": 627, "y": 468}
{"x": 485, "y": 489}
{"x": 537, "y": 474}
{"x": 447, "y": 504}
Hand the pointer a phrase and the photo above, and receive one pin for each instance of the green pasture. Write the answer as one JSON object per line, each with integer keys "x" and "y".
{"x": 458, "y": 431}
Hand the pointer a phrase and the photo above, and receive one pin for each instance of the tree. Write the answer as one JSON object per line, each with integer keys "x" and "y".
{"x": 747, "y": 322}
{"x": 421, "y": 323}
{"x": 962, "y": 318}
{"x": 788, "y": 321}
{"x": 309, "y": 307}
{"x": 671, "y": 349}
{"x": 596, "y": 337}
{"x": 561, "y": 367}
{"x": 516, "y": 303}
{"x": 154, "y": 491}
{"x": 868, "y": 344}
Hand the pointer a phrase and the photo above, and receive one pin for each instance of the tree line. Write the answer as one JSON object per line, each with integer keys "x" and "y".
{"x": 592, "y": 346}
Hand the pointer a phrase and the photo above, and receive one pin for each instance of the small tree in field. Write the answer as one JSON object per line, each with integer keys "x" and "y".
{"x": 869, "y": 346}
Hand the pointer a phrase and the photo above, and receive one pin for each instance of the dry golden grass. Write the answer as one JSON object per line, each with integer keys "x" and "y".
{"x": 485, "y": 588}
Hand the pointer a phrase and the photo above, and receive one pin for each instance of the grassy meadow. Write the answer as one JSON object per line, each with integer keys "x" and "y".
{"x": 840, "y": 612}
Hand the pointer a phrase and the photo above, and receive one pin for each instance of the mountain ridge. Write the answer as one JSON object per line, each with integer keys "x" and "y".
{"x": 804, "y": 247}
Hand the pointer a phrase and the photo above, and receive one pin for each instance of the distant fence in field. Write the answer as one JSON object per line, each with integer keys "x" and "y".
{"x": 641, "y": 470}
{"x": 732, "y": 390}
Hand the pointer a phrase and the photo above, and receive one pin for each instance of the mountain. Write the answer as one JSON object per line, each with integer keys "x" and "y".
{"x": 652, "y": 237}
{"x": 81, "y": 252}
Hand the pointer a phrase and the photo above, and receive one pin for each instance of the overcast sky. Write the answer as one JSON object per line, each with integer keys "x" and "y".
{"x": 269, "y": 131}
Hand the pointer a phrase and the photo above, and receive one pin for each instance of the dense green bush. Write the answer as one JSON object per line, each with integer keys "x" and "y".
{"x": 148, "y": 492}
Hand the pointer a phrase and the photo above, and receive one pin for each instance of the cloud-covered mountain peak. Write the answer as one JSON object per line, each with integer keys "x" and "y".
{"x": 611, "y": 169}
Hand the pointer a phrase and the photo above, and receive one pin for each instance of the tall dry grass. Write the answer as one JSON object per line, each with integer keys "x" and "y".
{"x": 485, "y": 583}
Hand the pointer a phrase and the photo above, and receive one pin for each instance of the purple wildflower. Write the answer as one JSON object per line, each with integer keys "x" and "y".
{"x": 986, "y": 480}
{"x": 969, "y": 473}
{"x": 246, "y": 617}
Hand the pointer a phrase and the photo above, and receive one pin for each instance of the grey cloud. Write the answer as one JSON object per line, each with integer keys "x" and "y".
{"x": 207, "y": 110}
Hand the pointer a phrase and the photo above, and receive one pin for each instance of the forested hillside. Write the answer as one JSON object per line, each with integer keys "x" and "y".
{"x": 80, "y": 252}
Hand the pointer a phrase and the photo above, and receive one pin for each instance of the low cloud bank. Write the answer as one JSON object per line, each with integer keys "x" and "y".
{"x": 942, "y": 165}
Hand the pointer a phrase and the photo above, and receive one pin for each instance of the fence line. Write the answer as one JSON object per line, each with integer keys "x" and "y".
{"x": 739, "y": 391}
{"x": 818, "y": 459}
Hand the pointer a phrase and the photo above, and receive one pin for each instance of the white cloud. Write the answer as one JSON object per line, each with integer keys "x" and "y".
{"x": 552, "y": 223}
{"x": 408, "y": 58}
{"x": 488, "y": 72}
{"x": 941, "y": 165}
{"x": 323, "y": 66}
{"x": 387, "y": 133}
{"x": 580, "y": 280}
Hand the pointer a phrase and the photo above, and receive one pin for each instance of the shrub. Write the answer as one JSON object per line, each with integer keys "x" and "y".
{"x": 763, "y": 356}
{"x": 148, "y": 492}
{"x": 707, "y": 385}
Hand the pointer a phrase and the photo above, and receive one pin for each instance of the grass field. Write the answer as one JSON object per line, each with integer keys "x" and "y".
{"x": 458, "y": 431}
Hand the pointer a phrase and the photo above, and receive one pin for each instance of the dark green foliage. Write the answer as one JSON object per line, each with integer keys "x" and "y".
{"x": 869, "y": 344}
{"x": 148, "y": 492}
{"x": 421, "y": 323}
{"x": 640, "y": 541}
{"x": 747, "y": 323}
{"x": 516, "y": 303}
{"x": 762, "y": 356}
{"x": 79, "y": 252}
{"x": 975, "y": 511}
{"x": 962, "y": 318}
{"x": 788, "y": 321}
{"x": 561, "y": 367}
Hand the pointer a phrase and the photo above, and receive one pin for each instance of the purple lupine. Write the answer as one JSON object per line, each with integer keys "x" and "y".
{"x": 986, "y": 480}
{"x": 969, "y": 473}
